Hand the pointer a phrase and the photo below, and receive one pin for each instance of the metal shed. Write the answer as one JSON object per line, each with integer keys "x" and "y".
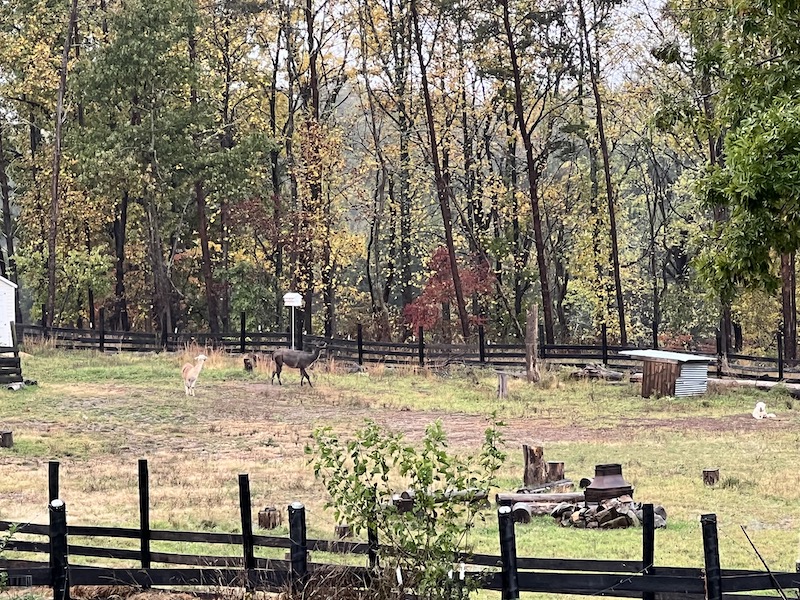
{"x": 672, "y": 373}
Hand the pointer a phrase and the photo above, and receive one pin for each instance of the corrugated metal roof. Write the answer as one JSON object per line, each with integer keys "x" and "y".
{"x": 666, "y": 355}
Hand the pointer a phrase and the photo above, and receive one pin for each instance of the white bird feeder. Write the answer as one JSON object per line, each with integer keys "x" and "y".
{"x": 292, "y": 300}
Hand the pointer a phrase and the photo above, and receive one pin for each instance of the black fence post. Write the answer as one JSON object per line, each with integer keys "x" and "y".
{"x": 713, "y": 574}
{"x": 44, "y": 318}
{"x": 542, "y": 339}
{"x": 360, "y": 340}
{"x": 373, "y": 545}
{"x": 482, "y": 344}
{"x": 421, "y": 339}
{"x": 52, "y": 480}
{"x": 719, "y": 353}
{"x": 246, "y": 511}
{"x": 604, "y": 341}
{"x": 508, "y": 554}
{"x": 59, "y": 566}
{"x": 242, "y": 340}
{"x": 144, "y": 512}
{"x": 298, "y": 551}
{"x": 102, "y": 319}
{"x": 780, "y": 355}
{"x": 648, "y": 545}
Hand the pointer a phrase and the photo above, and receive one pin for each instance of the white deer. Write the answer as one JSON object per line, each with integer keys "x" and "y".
{"x": 191, "y": 372}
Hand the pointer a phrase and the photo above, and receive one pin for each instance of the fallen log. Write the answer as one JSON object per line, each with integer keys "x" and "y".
{"x": 507, "y": 499}
{"x": 596, "y": 372}
{"x": 404, "y": 501}
{"x": 562, "y": 485}
{"x": 521, "y": 512}
{"x": 534, "y": 509}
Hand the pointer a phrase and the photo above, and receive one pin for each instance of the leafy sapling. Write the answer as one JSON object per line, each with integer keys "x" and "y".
{"x": 424, "y": 537}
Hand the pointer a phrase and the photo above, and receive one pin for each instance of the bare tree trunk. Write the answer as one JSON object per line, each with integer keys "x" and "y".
{"x": 202, "y": 222}
{"x": 442, "y": 189}
{"x": 8, "y": 228}
{"x": 224, "y": 222}
{"x": 208, "y": 277}
{"x": 277, "y": 213}
{"x": 55, "y": 204}
{"x": 788, "y": 306}
{"x": 533, "y": 179}
{"x": 612, "y": 219}
{"x": 120, "y": 317}
{"x": 313, "y": 174}
{"x": 162, "y": 307}
{"x": 532, "y": 345}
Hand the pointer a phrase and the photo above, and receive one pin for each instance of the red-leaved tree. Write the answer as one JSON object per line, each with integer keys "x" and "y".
{"x": 427, "y": 310}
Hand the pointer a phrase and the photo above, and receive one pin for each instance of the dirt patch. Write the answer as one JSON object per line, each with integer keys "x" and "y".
{"x": 257, "y": 402}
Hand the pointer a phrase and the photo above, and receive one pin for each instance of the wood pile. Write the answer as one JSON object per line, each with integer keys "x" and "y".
{"x": 614, "y": 513}
{"x": 596, "y": 372}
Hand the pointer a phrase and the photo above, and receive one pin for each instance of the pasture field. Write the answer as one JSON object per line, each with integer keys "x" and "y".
{"x": 98, "y": 414}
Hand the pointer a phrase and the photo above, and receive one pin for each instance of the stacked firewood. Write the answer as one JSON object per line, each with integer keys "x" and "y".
{"x": 613, "y": 513}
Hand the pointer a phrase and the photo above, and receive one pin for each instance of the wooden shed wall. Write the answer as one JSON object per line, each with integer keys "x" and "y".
{"x": 658, "y": 378}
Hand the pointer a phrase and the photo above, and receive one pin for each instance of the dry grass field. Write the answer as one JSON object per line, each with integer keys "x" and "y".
{"x": 98, "y": 414}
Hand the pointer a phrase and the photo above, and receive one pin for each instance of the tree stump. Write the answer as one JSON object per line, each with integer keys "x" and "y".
{"x": 269, "y": 518}
{"x": 502, "y": 386}
{"x": 710, "y": 476}
{"x": 341, "y": 531}
{"x": 6, "y": 439}
{"x": 534, "y": 473}
{"x": 555, "y": 471}
{"x": 521, "y": 513}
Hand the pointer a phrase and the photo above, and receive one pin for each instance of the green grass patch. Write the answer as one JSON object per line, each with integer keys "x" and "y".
{"x": 99, "y": 413}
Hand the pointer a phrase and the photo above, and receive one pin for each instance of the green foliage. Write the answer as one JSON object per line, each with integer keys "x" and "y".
{"x": 3, "y": 543}
{"x": 78, "y": 270}
{"x": 362, "y": 476}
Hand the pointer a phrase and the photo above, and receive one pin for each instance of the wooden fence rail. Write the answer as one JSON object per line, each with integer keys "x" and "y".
{"x": 507, "y": 573}
{"x": 361, "y": 351}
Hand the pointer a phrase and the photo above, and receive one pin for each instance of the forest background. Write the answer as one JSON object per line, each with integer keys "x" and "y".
{"x": 400, "y": 163}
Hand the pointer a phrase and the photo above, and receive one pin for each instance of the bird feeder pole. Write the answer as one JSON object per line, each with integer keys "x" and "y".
{"x": 292, "y": 300}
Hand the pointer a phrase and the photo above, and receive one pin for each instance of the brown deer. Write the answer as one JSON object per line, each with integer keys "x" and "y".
{"x": 296, "y": 359}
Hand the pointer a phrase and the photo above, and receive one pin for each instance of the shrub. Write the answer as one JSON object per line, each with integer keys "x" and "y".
{"x": 362, "y": 476}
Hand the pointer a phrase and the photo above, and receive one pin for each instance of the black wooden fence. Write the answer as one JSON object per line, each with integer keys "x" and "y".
{"x": 507, "y": 573}
{"x": 418, "y": 352}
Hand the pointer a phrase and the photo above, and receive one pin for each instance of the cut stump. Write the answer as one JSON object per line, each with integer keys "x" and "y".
{"x": 535, "y": 472}
{"x": 555, "y": 471}
{"x": 269, "y": 518}
{"x": 711, "y": 476}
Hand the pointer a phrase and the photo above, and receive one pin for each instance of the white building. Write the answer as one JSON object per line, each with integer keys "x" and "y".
{"x": 8, "y": 293}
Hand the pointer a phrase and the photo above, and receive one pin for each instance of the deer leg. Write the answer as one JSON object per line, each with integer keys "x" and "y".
{"x": 278, "y": 369}
{"x": 302, "y": 374}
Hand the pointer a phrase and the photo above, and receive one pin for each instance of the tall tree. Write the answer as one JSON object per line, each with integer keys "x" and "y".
{"x": 533, "y": 170}
{"x": 443, "y": 191}
{"x": 594, "y": 75}
{"x": 54, "y": 186}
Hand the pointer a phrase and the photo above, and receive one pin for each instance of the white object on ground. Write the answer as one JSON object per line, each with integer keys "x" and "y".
{"x": 760, "y": 411}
